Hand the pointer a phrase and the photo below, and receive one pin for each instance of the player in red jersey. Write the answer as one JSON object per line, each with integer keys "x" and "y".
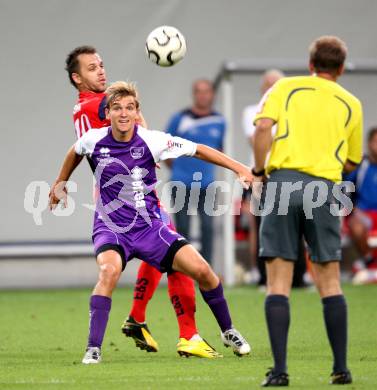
{"x": 87, "y": 74}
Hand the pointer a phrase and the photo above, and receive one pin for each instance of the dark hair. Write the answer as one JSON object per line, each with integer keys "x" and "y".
{"x": 72, "y": 62}
{"x": 327, "y": 54}
{"x": 372, "y": 133}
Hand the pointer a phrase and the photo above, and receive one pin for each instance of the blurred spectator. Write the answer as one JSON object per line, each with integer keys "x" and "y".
{"x": 362, "y": 223}
{"x": 269, "y": 78}
{"x": 200, "y": 124}
{"x": 256, "y": 272}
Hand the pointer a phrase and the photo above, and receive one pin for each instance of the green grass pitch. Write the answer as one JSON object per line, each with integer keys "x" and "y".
{"x": 43, "y": 336}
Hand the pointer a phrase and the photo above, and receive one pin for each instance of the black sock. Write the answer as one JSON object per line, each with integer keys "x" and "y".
{"x": 277, "y": 317}
{"x": 335, "y": 314}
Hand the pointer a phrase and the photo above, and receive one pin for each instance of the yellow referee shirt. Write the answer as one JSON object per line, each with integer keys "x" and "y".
{"x": 319, "y": 126}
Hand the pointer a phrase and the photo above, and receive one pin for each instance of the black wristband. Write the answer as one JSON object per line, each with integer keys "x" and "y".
{"x": 258, "y": 173}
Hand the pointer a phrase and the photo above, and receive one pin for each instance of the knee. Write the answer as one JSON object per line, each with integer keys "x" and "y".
{"x": 278, "y": 289}
{"x": 278, "y": 286}
{"x": 109, "y": 274}
{"x": 203, "y": 272}
{"x": 329, "y": 288}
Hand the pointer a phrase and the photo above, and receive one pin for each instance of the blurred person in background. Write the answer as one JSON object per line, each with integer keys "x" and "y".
{"x": 201, "y": 124}
{"x": 362, "y": 222}
{"x": 257, "y": 271}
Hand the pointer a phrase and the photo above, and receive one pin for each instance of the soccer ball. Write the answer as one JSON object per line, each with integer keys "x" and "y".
{"x": 165, "y": 46}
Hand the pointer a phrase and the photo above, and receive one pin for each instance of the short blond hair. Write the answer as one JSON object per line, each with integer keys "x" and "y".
{"x": 121, "y": 89}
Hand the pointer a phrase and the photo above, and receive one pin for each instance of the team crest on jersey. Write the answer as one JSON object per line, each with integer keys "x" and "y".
{"x": 137, "y": 152}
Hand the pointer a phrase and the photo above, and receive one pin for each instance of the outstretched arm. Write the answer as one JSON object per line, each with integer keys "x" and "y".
{"x": 58, "y": 191}
{"x": 214, "y": 156}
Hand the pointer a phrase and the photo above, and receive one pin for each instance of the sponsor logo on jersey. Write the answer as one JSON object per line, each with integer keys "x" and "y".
{"x": 214, "y": 132}
{"x": 137, "y": 173}
{"x": 138, "y": 186}
{"x": 172, "y": 144}
{"x": 137, "y": 152}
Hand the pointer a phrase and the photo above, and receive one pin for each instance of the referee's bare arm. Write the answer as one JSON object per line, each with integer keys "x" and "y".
{"x": 262, "y": 141}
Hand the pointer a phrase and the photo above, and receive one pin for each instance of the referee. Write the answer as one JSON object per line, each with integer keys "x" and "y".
{"x": 319, "y": 135}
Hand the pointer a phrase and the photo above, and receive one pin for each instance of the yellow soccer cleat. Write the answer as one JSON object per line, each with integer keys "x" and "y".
{"x": 140, "y": 333}
{"x": 199, "y": 348}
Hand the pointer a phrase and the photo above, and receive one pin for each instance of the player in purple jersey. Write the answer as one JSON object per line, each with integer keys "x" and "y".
{"x": 127, "y": 221}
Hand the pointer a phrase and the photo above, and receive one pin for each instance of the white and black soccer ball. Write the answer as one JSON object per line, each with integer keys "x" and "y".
{"x": 165, "y": 46}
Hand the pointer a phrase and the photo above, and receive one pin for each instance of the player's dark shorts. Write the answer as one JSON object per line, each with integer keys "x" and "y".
{"x": 294, "y": 216}
{"x": 155, "y": 244}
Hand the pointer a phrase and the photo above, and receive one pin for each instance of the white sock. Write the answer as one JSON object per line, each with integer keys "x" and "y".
{"x": 196, "y": 337}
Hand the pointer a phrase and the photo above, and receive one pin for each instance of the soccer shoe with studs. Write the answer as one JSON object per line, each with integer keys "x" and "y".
{"x": 275, "y": 379}
{"x": 140, "y": 333}
{"x": 341, "y": 378}
{"x": 92, "y": 356}
{"x": 199, "y": 348}
{"x": 233, "y": 338}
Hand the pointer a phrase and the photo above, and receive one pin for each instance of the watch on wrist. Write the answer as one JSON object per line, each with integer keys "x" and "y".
{"x": 258, "y": 173}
